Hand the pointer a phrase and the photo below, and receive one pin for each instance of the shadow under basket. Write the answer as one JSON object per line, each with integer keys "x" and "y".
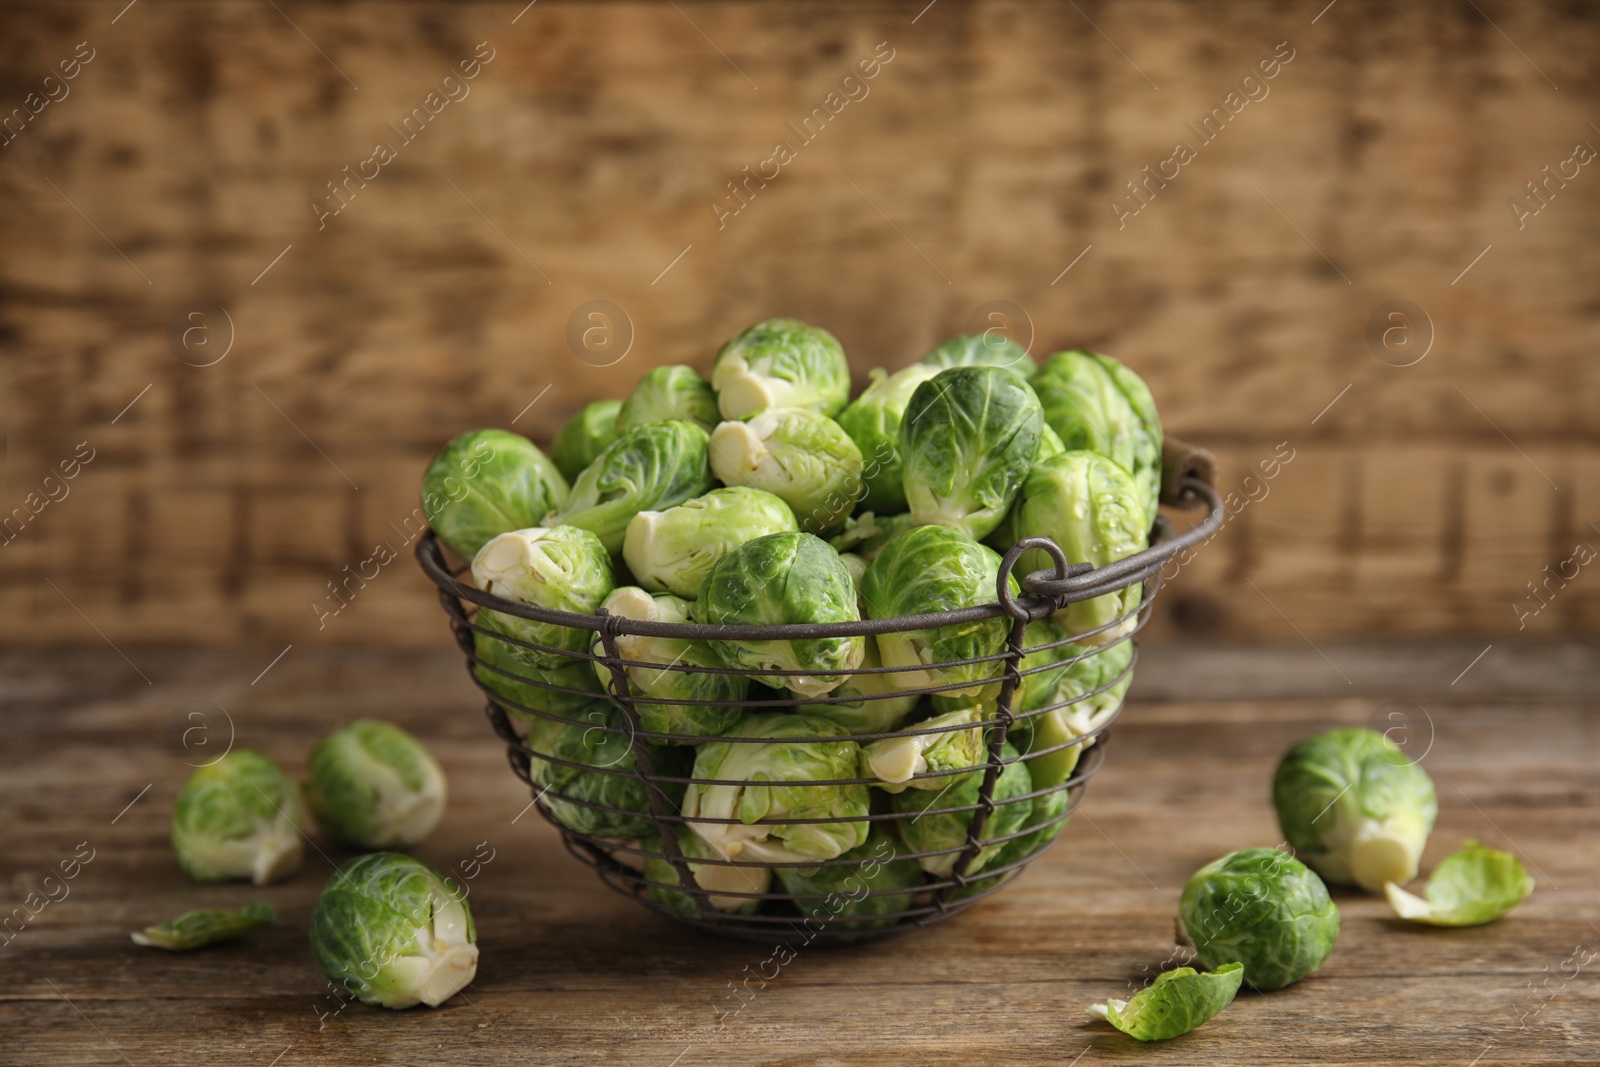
{"x": 578, "y": 729}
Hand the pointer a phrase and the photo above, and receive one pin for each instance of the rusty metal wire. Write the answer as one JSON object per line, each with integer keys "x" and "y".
{"x": 817, "y": 916}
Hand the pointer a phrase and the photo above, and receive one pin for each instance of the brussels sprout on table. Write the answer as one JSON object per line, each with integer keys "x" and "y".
{"x": 586, "y": 770}
{"x": 730, "y": 888}
{"x": 238, "y": 818}
{"x": 486, "y": 482}
{"x": 394, "y": 932}
{"x": 866, "y": 703}
{"x": 653, "y": 688}
{"x": 784, "y": 578}
{"x": 872, "y": 891}
{"x": 1471, "y": 887}
{"x": 653, "y": 466}
{"x": 781, "y": 363}
{"x": 934, "y": 828}
{"x": 1091, "y": 508}
{"x": 1175, "y": 1003}
{"x": 932, "y": 569}
{"x": 582, "y": 439}
{"x": 669, "y": 393}
{"x": 1262, "y": 908}
{"x": 372, "y": 785}
{"x": 1355, "y": 807}
{"x": 803, "y": 457}
{"x": 982, "y": 350}
{"x": 560, "y": 568}
{"x": 873, "y": 422}
{"x": 778, "y": 777}
{"x": 521, "y": 687}
{"x": 967, "y": 440}
{"x": 197, "y": 929}
{"x": 672, "y": 551}
{"x": 1096, "y": 403}
{"x": 932, "y": 747}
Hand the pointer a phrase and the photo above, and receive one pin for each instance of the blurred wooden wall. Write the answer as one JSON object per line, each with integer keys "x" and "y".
{"x": 182, "y": 165}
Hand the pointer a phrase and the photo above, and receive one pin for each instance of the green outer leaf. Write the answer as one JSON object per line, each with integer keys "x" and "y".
{"x": 1354, "y": 807}
{"x": 1469, "y": 888}
{"x": 873, "y": 423}
{"x": 982, "y": 350}
{"x": 800, "y": 456}
{"x": 372, "y": 785}
{"x": 196, "y": 929}
{"x": 1262, "y": 908}
{"x": 1175, "y": 1003}
{"x": 672, "y": 551}
{"x": 484, "y": 483}
{"x": 669, "y": 393}
{"x": 1096, "y": 403}
{"x": 967, "y": 440}
{"x": 649, "y": 467}
{"x": 238, "y": 818}
{"x": 930, "y": 569}
{"x": 865, "y": 534}
{"x": 781, "y": 363}
{"x": 583, "y": 438}
{"x": 784, "y": 578}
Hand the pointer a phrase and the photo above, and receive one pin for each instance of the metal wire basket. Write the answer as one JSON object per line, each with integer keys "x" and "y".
{"x": 654, "y": 868}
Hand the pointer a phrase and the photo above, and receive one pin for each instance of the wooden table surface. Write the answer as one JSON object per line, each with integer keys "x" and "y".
{"x": 572, "y": 973}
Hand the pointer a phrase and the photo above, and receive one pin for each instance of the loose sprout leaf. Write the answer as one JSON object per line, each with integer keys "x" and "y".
{"x": 196, "y": 929}
{"x": 1177, "y": 1002}
{"x": 1472, "y": 887}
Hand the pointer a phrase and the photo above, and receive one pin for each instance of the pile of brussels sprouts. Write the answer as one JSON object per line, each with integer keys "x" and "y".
{"x": 767, "y": 496}
{"x": 386, "y": 928}
{"x": 1357, "y": 811}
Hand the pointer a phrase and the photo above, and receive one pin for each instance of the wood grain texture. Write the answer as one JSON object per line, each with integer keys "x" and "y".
{"x": 584, "y": 163}
{"x": 572, "y": 974}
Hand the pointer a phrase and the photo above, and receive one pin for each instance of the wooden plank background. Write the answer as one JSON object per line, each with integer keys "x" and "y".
{"x": 184, "y": 160}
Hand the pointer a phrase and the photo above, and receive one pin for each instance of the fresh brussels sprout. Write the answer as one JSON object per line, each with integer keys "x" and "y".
{"x": 930, "y": 569}
{"x": 669, "y": 393}
{"x": 1472, "y": 887}
{"x": 561, "y": 568}
{"x": 1264, "y": 909}
{"x": 656, "y": 465}
{"x": 933, "y": 747}
{"x": 873, "y": 423}
{"x": 935, "y": 828}
{"x": 858, "y": 570}
{"x": 866, "y": 534}
{"x": 196, "y": 929}
{"x": 872, "y": 892}
{"x": 1091, "y": 508}
{"x": 371, "y": 785}
{"x": 484, "y": 483}
{"x": 1354, "y": 807}
{"x": 967, "y": 440}
{"x": 1050, "y": 444}
{"x": 651, "y": 686}
{"x": 865, "y": 703}
{"x": 1043, "y": 823}
{"x": 781, "y": 363}
{"x": 523, "y": 689}
{"x": 394, "y": 932}
{"x": 239, "y": 817}
{"x": 586, "y": 769}
{"x": 779, "y": 773}
{"x": 732, "y": 889}
{"x": 1175, "y": 1003}
{"x": 1096, "y": 403}
{"x": 800, "y": 456}
{"x": 784, "y": 578}
{"x": 582, "y": 439}
{"x": 982, "y": 350}
{"x": 672, "y": 551}
{"x": 1071, "y": 701}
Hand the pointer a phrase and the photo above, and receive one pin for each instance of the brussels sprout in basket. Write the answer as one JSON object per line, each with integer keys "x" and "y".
{"x": 669, "y": 393}
{"x": 486, "y": 482}
{"x": 239, "y": 817}
{"x": 582, "y": 439}
{"x": 982, "y": 350}
{"x": 872, "y": 890}
{"x": 803, "y": 457}
{"x": 781, "y": 363}
{"x": 948, "y": 742}
{"x": 729, "y": 887}
{"x": 866, "y": 703}
{"x": 520, "y": 687}
{"x": 656, "y": 465}
{"x": 672, "y": 551}
{"x": 562, "y": 568}
{"x": 873, "y": 423}
{"x": 586, "y": 768}
{"x": 939, "y": 818}
{"x": 1096, "y": 403}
